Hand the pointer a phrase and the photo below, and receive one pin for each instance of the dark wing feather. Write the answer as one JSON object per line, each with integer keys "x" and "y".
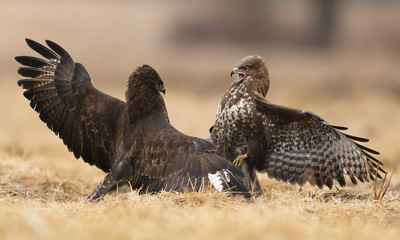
{"x": 303, "y": 147}
{"x": 62, "y": 92}
{"x": 171, "y": 160}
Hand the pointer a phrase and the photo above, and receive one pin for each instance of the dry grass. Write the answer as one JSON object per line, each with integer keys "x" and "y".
{"x": 43, "y": 204}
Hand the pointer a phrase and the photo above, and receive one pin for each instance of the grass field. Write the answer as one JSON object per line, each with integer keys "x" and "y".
{"x": 43, "y": 187}
{"x": 40, "y": 203}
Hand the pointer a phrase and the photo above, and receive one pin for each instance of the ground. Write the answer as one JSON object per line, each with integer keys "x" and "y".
{"x": 39, "y": 203}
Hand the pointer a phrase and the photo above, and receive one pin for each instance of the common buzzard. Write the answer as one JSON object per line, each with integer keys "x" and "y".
{"x": 291, "y": 145}
{"x": 132, "y": 141}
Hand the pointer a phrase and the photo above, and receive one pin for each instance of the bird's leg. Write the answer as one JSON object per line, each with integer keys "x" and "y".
{"x": 239, "y": 159}
{"x": 103, "y": 188}
{"x": 119, "y": 174}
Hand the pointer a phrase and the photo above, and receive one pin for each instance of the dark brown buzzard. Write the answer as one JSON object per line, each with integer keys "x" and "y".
{"x": 291, "y": 145}
{"x": 131, "y": 141}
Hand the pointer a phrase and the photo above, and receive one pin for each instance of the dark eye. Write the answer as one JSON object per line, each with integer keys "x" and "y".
{"x": 245, "y": 68}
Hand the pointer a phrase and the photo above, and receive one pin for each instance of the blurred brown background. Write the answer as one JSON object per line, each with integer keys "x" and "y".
{"x": 340, "y": 59}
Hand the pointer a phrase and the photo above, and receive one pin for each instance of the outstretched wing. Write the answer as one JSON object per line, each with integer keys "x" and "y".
{"x": 303, "y": 147}
{"x": 62, "y": 92}
{"x": 174, "y": 161}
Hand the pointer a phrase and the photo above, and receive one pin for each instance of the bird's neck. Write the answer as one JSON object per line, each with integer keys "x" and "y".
{"x": 256, "y": 84}
{"x": 143, "y": 102}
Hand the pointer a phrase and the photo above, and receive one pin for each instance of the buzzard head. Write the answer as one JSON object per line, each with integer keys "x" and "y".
{"x": 146, "y": 78}
{"x": 143, "y": 94}
{"x": 254, "y": 68}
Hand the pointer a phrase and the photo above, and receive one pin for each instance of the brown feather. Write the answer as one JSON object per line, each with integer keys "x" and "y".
{"x": 131, "y": 140}
{"x": 298, "y": 146}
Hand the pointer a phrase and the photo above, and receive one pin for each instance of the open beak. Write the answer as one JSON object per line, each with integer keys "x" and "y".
{"x": 240, "y": 75}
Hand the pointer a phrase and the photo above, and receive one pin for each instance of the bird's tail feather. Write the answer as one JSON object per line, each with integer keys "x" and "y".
{"x": 225, "y": 180}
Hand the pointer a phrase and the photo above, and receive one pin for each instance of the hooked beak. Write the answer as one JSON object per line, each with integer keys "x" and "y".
{"x": 234, "y": 71}
{"x": 162, "y": 89}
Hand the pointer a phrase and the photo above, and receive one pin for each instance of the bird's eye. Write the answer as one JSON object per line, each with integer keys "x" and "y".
{"x": 245, "y": 68}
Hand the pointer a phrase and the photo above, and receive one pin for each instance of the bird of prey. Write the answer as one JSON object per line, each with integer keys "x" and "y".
{"x": 291, "y": 145}
{"x": 132, "y": 141}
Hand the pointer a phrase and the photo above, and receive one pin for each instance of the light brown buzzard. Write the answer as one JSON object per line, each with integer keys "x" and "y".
{"x": 291, "y": 145}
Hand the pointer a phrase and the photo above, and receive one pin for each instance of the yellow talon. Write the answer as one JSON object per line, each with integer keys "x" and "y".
{"x": 239, "y": 159}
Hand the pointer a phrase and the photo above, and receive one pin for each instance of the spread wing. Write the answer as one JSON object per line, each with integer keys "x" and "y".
{"x": 303, "y": 147}
{"x": 61, "y": 91}
{"x": 174, "y": 161}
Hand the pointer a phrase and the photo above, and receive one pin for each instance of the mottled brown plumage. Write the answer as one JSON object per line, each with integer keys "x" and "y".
{"x": 291, "y": 145}
{"x": 132, "y": 141}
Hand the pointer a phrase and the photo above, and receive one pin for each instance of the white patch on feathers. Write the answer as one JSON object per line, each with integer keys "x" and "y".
{"x": 216, "y": 181}
{"x": 226, "y": 173}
